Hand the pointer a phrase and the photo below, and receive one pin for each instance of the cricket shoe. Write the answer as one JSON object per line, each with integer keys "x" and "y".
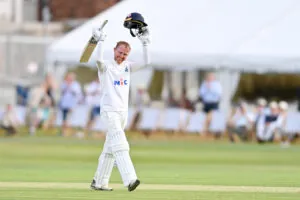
{"x": 102, "y": 188}
{"x": 133, "y": 185}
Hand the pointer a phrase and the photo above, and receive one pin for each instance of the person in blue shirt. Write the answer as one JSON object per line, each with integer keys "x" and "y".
{"x": 210, "y": 93}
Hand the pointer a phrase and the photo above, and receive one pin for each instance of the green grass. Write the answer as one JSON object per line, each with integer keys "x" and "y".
{"x": 59, "y": 194}
{"x": 54, "y": 159}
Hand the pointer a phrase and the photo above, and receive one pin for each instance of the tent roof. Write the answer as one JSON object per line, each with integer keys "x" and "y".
{"x": 276, "y": 46}
{"x": 195, "y": 34}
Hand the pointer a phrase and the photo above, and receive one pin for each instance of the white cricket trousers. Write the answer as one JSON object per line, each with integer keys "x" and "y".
{"x": 116, "y": 148}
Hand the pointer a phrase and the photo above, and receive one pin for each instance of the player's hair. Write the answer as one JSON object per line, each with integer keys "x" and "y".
{"x": 126, "y": 44}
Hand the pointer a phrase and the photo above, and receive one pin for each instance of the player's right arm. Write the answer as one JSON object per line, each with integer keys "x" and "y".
{"x": 145, "y": 40}
{"x": 100, "y": 37}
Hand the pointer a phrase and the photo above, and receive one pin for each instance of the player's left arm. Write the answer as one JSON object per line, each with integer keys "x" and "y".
{"x": 145, "y": 40}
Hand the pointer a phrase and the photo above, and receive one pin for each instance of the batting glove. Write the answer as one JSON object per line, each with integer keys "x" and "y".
{"x": 98, "y": 35}
{"x": 144, "y": 36}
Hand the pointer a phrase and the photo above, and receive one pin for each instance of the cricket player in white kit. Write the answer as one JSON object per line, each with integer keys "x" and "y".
{"x": 115, "y": 81}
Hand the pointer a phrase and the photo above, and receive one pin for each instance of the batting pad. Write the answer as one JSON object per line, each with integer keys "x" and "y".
{"x": 104, "y": 169}
{"x": 125, "y": 167}
{"x": 118, "y": 141}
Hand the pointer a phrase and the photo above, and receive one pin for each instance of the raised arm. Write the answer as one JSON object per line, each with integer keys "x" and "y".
{"x": 145, "y": 40}
{"x": 100, "y": 36}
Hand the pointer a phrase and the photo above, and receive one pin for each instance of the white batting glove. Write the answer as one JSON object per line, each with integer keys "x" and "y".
{"x": 98, "y": 35}
{"x": 144, "y": 37}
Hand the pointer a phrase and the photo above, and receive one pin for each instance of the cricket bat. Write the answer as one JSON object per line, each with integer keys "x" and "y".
{"x": 90, "y": 46}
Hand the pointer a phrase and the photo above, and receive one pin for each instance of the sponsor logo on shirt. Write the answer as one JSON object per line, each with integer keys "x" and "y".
{"x": 126, "y": 69}
{"x": 121, "y": 82}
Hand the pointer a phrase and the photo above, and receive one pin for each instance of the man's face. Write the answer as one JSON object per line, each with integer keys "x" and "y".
{"x": 121, "y": 53}
{"x": 8, "y": 107}
{"x": 70, "y": 78}
{"x": 274, "y": 110}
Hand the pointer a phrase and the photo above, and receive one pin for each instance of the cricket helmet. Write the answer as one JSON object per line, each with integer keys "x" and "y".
{"x": 134, "y": 21}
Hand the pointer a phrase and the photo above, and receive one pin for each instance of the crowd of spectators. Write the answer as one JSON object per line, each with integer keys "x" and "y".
{"x": 264, "y": 123}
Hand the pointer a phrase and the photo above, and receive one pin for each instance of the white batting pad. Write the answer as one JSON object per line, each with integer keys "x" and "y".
{"x": 125, "y": 167}
{"x": 104, "y": 169}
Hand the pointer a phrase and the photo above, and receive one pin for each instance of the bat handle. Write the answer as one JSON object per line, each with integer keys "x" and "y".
{"x": 103, "y": 24}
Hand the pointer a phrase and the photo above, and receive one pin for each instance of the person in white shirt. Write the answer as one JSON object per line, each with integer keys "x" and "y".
{"x": 93, "y": 94}
{"x": 261, "y": 110}
{"x": 70, "y": 96}
{"x": 115, "y": 82}
{"x": 282, "y": 120}
{"x": 267, "y": 125}
{"x": 240, "y": 123}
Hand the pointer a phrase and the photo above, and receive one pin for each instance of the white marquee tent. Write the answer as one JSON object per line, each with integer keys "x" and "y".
{"x": 276, "y": 47}
{"x": 198, "y": 34}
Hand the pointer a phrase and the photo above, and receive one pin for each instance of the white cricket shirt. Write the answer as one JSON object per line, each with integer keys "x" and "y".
{"x": 114, "y": 85}
{"x": 115, "y": 80}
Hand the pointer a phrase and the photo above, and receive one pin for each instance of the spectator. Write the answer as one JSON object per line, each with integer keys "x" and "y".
{"x": 210, "y": 93}
{"x": 298, "y": 98}
{"x": 185, "y": 103}
{"x": 35, "y": 98}
{"x": 283, "y": 107}
{"x": 142, "y": 98}
{"x": 285, "y": 138}
{"x": 93, "y": 97}
{"x": 51, "y": 88}
{"x": 9, "y": 121}
{"x": 22, "y": 95}
{"x": 266, "y": 126}
{"x": 44, "y": 114}
{"x": 172, "y": 103}
{"x": 240, "y": 123}
{"x": 70, "y": 96}
{"x": 261, "y": 104}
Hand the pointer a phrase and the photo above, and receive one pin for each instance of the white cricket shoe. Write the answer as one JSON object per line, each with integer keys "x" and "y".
{"x": 102, "y": 188}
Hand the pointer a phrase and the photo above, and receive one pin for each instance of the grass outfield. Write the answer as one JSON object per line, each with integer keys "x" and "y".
{"x": 62, "y": 168}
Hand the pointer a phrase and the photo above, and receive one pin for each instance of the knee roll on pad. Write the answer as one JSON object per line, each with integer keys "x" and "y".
{"x": 122, "y": 146}
{"x": 105, "y": 156}
{"x": 119, "y": 142}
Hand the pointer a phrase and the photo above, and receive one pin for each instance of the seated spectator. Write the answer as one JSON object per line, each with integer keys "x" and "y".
{"x": 240, "y": 123}
{"x": 44, "y": 113}
{"x": 284, "y": 137}
{"x": 260, "y": 111}
{"x": 267, "y": 125}
{"x": 172, "y": 103}
{"x": 185, "y": 103}
{"x": 283, "y": 108}
{"x": 9, "y": 121}
{"x": 210, "y": 93}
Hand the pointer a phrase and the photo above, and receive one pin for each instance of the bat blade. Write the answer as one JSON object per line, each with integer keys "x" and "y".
{"x": 90, "y": 46}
